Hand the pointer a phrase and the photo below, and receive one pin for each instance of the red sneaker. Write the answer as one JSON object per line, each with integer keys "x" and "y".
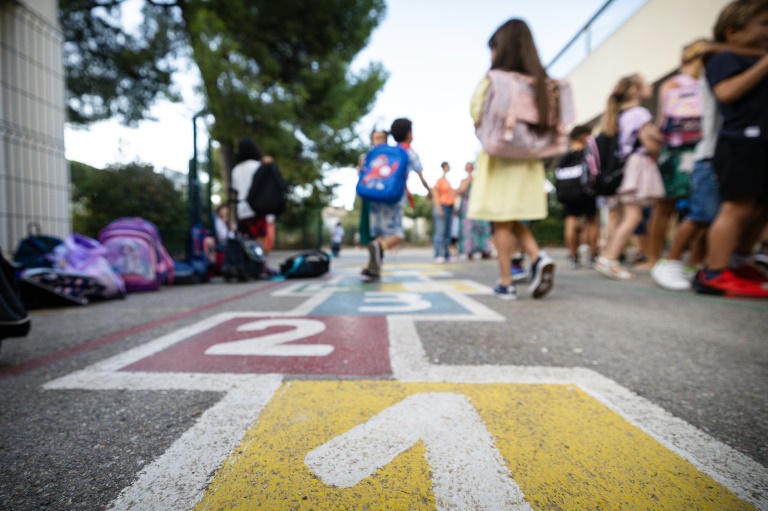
{"x": 750, "y": 272}
{"x": 728, "y": 284}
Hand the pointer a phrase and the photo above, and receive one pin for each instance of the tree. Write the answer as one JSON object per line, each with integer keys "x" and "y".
{"x": 276, "y": 71}
{"x": 100, "y": 196}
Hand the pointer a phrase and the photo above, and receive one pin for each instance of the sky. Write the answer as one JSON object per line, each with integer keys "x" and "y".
{"x": 435, "y": 51}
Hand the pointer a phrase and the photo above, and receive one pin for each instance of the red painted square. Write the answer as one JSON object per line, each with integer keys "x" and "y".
{"x": 360, "y": 348}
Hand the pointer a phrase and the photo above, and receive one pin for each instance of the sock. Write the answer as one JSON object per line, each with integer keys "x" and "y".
{"x": 740, "y": 259}
{"x": 711, "y": 274}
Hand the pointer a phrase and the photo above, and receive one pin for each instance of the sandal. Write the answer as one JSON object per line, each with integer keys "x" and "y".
{"x": 612, "y": 269}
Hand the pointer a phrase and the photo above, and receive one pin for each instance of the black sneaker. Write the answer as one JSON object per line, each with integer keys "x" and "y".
{"x": 542, "y": 276}
{"x": 366, "y": 276}
{"x": 505, "y": 292}
{"x": 374, "y": 258}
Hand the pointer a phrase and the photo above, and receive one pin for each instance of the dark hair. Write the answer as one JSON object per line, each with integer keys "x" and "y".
{"x": 444, "y": 164}
{"x": 400, "y": 129}
{"x": 515, "y": 50}
{"x": 579, "y": 132}
{"x": 736, "y": 16}
{"x": 247, "y": 150}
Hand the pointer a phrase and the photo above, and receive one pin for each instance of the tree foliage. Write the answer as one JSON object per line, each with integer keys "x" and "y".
{"x": 100, "y": 196}
{"x": 276, "y": 71}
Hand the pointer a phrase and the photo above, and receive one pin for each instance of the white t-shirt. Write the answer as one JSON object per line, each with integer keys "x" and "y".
{"x": 242, "y": 177}
{"x": 338, "y": 234}
{"x": 222, "y": 230}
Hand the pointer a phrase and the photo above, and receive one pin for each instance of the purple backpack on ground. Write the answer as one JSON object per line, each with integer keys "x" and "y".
{"x": 135, "y": 251}
{"x": 86, "y": 256}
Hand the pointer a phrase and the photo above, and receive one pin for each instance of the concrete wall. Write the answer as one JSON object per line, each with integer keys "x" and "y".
{"x": 34, "y": 177}
{"x": 650, "y": 43}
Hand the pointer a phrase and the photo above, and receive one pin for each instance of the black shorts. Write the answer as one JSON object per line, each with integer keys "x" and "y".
{"x": 585, "y": 207}
{"x": 742, "y": 168}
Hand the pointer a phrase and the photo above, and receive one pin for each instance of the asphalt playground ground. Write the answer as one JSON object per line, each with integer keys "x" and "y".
{"x": 422, "y": 391}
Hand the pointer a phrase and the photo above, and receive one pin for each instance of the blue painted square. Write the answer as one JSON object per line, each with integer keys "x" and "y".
{"x": 388, "y": 304}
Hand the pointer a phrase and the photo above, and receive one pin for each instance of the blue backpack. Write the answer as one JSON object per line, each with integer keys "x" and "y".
{"x": 384, "y": 173}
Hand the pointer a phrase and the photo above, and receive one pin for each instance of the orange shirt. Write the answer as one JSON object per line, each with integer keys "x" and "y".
{"x": 445, "y": 194}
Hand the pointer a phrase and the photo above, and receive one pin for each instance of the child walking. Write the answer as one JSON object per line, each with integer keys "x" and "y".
{"x": 507, "y": 191}
{"x": 740, "y": 84}
{"x": 639, "y": 141}
{"x": 386, "y": 220}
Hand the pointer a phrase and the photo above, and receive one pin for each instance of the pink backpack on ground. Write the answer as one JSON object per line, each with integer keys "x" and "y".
{"x": 683, "y": 109}
{"x": 135, "y": 251}
{"x": 507, "y": 127}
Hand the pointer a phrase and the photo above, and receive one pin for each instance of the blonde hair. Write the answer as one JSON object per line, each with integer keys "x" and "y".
{"x": 692, "y": 56}
{"x": 620, "y": 94}
{"x": 736, "y": 16}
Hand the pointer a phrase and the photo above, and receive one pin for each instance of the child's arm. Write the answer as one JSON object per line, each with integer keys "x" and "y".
{"x": 651, "y": 139}
{"x": 734, "y": 88}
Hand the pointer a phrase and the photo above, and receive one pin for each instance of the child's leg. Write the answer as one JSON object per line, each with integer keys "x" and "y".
{"x": 505, "y": 242}
{"x": 592, "y": 229}
{"x": 682, "y": 240}
{"x": 698, "y": 246}
{"x": 727, "y": 231}
{"x": 526, "y": 239}
{"x": 657, "y": 229}
{"x": 630, "y": 217}
{"x": 572, "y": 235}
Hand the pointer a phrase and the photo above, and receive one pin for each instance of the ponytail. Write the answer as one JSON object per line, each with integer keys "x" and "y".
{"x": 620, "y": 95}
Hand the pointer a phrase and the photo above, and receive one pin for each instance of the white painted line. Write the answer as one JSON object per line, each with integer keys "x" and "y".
{"x": 467, "y": 470}
{"x": 131, "y": 380}
{"x": 177, "y": 479}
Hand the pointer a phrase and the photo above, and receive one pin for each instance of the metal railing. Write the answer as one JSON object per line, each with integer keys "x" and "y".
{"x": 609, "y": 18}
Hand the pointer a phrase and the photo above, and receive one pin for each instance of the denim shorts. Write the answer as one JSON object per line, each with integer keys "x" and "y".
{"x": 387, "y": 219}
{"x": 705, "y": 193}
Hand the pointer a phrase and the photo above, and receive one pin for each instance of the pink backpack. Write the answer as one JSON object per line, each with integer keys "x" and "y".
{"x": 683, "y": 108}
{"x": 507, "y": 127}
{"x": 136, "y": 252}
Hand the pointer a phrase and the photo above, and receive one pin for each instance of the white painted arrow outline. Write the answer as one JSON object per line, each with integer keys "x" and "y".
{"x": 468, "y": 471}
{"x": 274, "y": 345}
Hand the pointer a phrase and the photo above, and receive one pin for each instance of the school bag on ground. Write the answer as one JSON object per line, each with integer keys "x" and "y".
{"x": 14, "y": 319}
{"x": 243, "y": 259}
{"x": 305, "y": 265}
{"x": 54, "y": 287}
{"x": 384, "y": 174}
{"x": 508, "y": 125}
{"x": 36, "y": 250}
{"x": 86, "y": 256}
{"x": 573, "y": 180}
{"x": 136, "y": 252}
{"x": 268, "y": 194}
{"x": 195, "y": 267}
{"x": 683, "y": 110}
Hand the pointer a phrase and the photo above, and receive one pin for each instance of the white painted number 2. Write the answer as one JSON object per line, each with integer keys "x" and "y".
{"x": 275, "y": 345}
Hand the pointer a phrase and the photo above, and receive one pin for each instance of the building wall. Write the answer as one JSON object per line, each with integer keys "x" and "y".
{"x": 34, "y": 177}
{"x": 650, "y": 43}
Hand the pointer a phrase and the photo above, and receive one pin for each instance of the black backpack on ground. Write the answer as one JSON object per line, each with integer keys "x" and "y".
{"x": 313, "y": 263}
{"x": 34, "y": 250}
{"x": 14, "y": 320}
{"x": 268, "y": 194}
{"x": 243, "y": 260}
{"x": 573, "y": 182}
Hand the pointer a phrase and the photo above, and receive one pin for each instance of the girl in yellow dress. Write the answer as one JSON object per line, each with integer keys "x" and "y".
{"x": 506, "y": 192}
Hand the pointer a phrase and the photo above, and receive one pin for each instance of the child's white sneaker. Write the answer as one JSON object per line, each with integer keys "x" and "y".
{"x": 670, "y": 275}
